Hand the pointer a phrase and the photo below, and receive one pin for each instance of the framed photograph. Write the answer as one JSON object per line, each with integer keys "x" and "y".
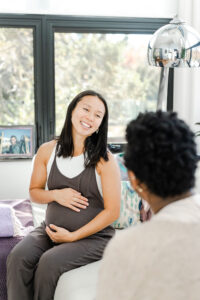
{"x": 17, "y": 141}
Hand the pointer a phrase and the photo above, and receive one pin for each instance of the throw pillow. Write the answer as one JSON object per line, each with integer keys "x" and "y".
{"x": 123, "y": 170}
{"x": 9, "y": 223}
{"x": 130, "y": 207}
{"x": 15, "y": 217}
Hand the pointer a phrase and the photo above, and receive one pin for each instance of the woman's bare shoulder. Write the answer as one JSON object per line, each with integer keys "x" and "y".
{"x": 110, "y": 160}
{"x": 45, "y": 150}
{"x": 103, "y": 164}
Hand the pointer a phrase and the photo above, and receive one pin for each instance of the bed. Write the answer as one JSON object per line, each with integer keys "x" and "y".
{"x": 23, "y": 212}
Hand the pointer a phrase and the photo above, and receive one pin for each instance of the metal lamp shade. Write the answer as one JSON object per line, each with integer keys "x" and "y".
{"x": 175, "y": 45}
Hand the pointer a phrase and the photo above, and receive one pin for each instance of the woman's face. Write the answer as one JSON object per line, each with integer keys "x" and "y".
{"x": 87, "y": 115}
{"x": 13, "y": 140}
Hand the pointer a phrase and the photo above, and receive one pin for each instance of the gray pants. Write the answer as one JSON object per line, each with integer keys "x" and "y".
{"x": 36, "y": 263}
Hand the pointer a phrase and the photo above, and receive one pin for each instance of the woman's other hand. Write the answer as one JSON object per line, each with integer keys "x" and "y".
{"x": 71, "y": 198}
{"x": 59, "y": 234}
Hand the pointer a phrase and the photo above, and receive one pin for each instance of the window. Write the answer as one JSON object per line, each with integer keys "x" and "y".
{"x": 114, "y": 65}
{"x": 46, "y": 60}
{"x": 16, "y": 72}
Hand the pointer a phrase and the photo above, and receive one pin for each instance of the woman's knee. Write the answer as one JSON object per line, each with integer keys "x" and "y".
{"x": 48, "y": 267}
{"x": 16, "y": 255}
{"x": 21, "y": 255}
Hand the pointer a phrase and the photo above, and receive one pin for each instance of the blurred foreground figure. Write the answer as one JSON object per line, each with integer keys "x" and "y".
{"x": 159, "y": 259}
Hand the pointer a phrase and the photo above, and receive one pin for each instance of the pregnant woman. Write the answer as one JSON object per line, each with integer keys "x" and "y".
{"x": 83, "y": 199}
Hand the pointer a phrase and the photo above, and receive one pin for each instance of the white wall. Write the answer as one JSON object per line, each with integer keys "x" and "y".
{"x": 15, "y": 175}
{"x": 131, "y": 8}
{"x": 186, "y": 81}
{"x": 14, "y": 179}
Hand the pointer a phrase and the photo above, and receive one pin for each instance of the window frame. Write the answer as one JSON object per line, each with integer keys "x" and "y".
{"x": 35, "y": 23}
{"x": 44, "y": 27}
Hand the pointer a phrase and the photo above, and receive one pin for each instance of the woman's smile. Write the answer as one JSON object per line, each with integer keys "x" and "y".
{"x": 85, "y": 125}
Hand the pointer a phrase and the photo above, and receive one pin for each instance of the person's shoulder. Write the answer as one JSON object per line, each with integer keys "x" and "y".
{"x": 111, "y": 158}
{"x": 48, "y": 146}
{"x": 110, "y": 163}
{"x": 46, "y": 149}
{"x": 123, "y": 240}
{"x": 133, "y": 236}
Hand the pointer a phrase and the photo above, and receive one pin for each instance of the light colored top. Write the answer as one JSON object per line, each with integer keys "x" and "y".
{"x": 71, "y": 167}
{"x": 156, "y": 260}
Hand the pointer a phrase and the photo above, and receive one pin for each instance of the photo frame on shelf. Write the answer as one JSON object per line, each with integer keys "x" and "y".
{"x": 17, "y": 141}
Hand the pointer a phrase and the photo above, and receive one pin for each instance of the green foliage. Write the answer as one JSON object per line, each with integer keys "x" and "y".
{"x": 16, "y": 76}
{"x": 107, "y": 63}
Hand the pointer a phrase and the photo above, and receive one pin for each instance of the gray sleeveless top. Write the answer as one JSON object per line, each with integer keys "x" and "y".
{"x": 86, "y": 184}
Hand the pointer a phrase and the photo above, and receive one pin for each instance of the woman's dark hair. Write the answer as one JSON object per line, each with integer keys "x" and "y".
{"x": 161, "y": 151}
{"x": 95, "y": 145}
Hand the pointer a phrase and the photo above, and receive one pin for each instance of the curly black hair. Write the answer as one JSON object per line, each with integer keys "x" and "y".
{"x": 161, "y": 152}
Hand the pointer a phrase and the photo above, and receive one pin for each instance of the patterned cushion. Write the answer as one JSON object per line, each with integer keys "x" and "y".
{"x": 130, "y": 201}
{"x": 130, "y": 207}
{"x": 123, "y": 171}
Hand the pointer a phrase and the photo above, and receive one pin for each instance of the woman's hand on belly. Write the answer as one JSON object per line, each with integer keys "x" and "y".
{"x": 70, "y": 198}
{"x": 59, "y": 234}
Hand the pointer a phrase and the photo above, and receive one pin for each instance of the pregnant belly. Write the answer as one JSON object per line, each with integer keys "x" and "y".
{"x": 65, "y": 217}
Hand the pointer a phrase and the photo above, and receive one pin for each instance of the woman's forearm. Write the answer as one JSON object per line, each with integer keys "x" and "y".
{"x": 42, "y": 196}
{"x": 102, "y": 220}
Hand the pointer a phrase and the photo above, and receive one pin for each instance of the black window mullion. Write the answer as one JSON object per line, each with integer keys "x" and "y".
{"x": 38, "y": 86}
{"x": 108, "y": 24}
{"x": 50, "y": 78}
{"x": 170, "y": 90}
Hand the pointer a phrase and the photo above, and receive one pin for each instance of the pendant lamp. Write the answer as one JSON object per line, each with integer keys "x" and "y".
{"x": 175, "y": 45}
